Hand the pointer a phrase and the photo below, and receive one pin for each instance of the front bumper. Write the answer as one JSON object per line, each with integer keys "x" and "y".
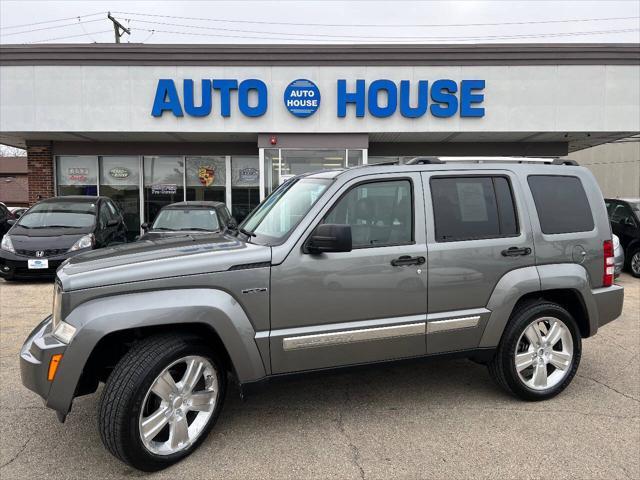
{"x": 17, "y": 266}
{"x": 608, "y": 301}
{"x": 35, "y": 357}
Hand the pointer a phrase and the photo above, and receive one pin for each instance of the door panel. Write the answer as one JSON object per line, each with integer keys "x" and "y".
{"x": 462, "y": 274}
{"x": 347, "y": 298}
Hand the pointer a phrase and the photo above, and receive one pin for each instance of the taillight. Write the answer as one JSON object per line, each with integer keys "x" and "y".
{"x": 607, "y": 277}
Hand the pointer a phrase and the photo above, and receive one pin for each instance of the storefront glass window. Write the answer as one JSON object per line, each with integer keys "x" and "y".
{"x": 163, "y": 184}
{"x": 206, "y": 178}
{"x": 354, "y": 158}
{"x": 120, "y": 180}
{"x": 245, "y": 186}
{"x": 77, "y": 175}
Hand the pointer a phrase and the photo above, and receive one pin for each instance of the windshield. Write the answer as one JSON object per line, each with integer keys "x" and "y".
{"x": 59, "y": 214}
{"x": 186, "y": 219}
{"x": 284, "y": 208}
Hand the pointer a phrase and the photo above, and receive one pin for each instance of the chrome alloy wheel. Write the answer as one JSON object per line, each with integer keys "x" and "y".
{"x": 544, "y": 353}
{"x": 175, "y": 413}
{"x": 635, "y": 263}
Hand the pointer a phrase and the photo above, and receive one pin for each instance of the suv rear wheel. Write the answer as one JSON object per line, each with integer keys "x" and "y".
{"x": 539, "y": 353}
{"x": 161, "y": 401}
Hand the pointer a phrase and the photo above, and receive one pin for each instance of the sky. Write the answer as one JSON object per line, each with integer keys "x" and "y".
{"x": 323, "y": 22}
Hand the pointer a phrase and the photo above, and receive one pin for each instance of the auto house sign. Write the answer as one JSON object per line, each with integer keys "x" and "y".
{"x": 119, "y": 172}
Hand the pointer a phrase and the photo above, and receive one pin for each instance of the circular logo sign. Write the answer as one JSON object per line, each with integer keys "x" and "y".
{"x": 302, "y": 97}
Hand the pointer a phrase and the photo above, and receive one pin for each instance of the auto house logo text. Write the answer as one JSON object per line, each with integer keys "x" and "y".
{"x": 381, "y": 98}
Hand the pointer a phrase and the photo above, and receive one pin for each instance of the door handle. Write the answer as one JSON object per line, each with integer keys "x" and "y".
{"x": 407, "y": 260}
{"x": 516, "y": 252}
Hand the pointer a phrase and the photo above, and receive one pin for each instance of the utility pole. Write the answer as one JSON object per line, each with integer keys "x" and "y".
{"x": 117, "y": 27}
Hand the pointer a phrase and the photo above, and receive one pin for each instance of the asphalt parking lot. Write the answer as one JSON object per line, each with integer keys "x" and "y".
{"x": 432, "y": 419}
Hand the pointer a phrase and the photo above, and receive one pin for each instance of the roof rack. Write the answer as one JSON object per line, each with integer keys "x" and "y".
{"x": 440, "y": 160}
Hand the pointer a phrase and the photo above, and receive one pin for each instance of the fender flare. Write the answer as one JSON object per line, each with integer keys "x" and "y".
{"x": 522, "y": 281}
{"x": 102, "y": 316}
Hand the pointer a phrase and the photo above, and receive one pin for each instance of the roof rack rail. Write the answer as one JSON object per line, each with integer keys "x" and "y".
{"x": 424, "y": 161}
{"x": 564, "y": 161}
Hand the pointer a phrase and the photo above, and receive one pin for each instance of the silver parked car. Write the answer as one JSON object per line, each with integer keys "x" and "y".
{"x": 507, "y": 264}
{"x": 618, "y": 256}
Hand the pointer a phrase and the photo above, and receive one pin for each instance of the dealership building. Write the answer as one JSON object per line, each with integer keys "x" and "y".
{"x": 149, "y": 125}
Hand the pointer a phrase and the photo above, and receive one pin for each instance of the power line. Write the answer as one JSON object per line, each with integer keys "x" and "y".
{"x": 51, "y": 28}
{"x": 71, "y": 36}
{"x": 364, "y": 37}
{"x": 52, "y": 21}
{"x": 433, "y": 25}
{"x": 306, "y": 37}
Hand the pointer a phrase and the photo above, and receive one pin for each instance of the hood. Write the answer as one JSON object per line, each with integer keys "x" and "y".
{"x": 161, "y": 258}
{"x": 45, "y": 238}
{"x": 158, "y": 234}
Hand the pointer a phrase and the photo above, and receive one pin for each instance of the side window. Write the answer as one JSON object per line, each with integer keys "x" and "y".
{"x": 472, "y": 208}
{"x": 380, "y": 213}
{"x": 622, "y": 214}
{"x": 561, "y": 203}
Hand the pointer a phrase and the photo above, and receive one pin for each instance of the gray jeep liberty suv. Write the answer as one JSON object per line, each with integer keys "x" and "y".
{"x": 509, "y": 264}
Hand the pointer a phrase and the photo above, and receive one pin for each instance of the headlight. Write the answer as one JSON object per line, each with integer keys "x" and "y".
{"x": 83, "y": 242}
{"x": 64, "y": 332}
{"x": 7, "y": 245}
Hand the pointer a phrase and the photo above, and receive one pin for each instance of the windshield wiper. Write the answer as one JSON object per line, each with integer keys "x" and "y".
{"x": 246, "y": 232}
{"x": 164, "y": 229}
{"x": 195, "y": 229}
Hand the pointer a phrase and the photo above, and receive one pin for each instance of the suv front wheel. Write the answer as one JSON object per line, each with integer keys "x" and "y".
{"x": 161, "y": 401}
{"x": 539, "y": 353}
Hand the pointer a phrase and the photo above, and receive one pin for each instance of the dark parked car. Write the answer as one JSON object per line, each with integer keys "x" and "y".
{"x": 5, "y": 216}
{"x": 624, "y": 214}
{"x": 187, "y": 217}
{"x": 56, "y": 229}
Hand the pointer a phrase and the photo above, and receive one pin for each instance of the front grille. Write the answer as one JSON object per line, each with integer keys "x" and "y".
{"x": 47, "y": 253}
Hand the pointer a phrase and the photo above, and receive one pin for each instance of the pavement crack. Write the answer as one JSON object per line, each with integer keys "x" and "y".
{"x": 18, "y": 453}
{"x": 355, "y": 451}
{"x": 630, "y": 397}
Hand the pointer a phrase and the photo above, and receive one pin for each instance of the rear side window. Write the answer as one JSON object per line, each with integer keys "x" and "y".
{"x": 472, "y": 208}
{"x": 561, "y": 203}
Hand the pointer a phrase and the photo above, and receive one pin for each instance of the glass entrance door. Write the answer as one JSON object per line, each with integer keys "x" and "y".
{"x": 120, "y": 180}
{"x": 280, "y": 164}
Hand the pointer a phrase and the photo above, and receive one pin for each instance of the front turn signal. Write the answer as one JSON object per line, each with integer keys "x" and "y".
{"x": 53, "y": 366}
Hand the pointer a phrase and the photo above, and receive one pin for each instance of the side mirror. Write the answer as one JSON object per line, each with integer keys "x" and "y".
{"x": 145, "y": 226}
{"x": 629, "y": 222}
{"x": 232, "y": 224}
{"x": 112, "y": 223}
{"x": 12, "y": 221}
{"x": 330, "y": 238}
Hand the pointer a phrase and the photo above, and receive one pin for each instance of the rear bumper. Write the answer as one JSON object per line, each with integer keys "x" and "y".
{"x": 35, "y": 357}
{"x": 608, "y": 301}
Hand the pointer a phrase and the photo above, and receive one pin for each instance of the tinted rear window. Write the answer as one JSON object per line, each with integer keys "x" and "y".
{"x": 471, "y": 208}
{"x": 561, "y": 203}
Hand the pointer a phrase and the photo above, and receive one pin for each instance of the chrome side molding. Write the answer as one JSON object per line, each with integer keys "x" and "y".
{"x": 353, "y": 336}
{"x": 436, "y": 326}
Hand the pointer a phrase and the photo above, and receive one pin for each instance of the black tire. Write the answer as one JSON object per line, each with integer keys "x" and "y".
{"x": 125, "y": 391}
{"x": 635, "y": 251}
{"x": 502, "y": 367}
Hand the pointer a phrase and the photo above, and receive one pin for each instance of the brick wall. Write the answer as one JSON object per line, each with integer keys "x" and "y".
{"x": 40, "y": 165}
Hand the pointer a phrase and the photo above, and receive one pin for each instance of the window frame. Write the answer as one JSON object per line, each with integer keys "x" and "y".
{"x": 366, "y": 182}
{"x": 586, "y": 196}
{"x": 495, "y": 197}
